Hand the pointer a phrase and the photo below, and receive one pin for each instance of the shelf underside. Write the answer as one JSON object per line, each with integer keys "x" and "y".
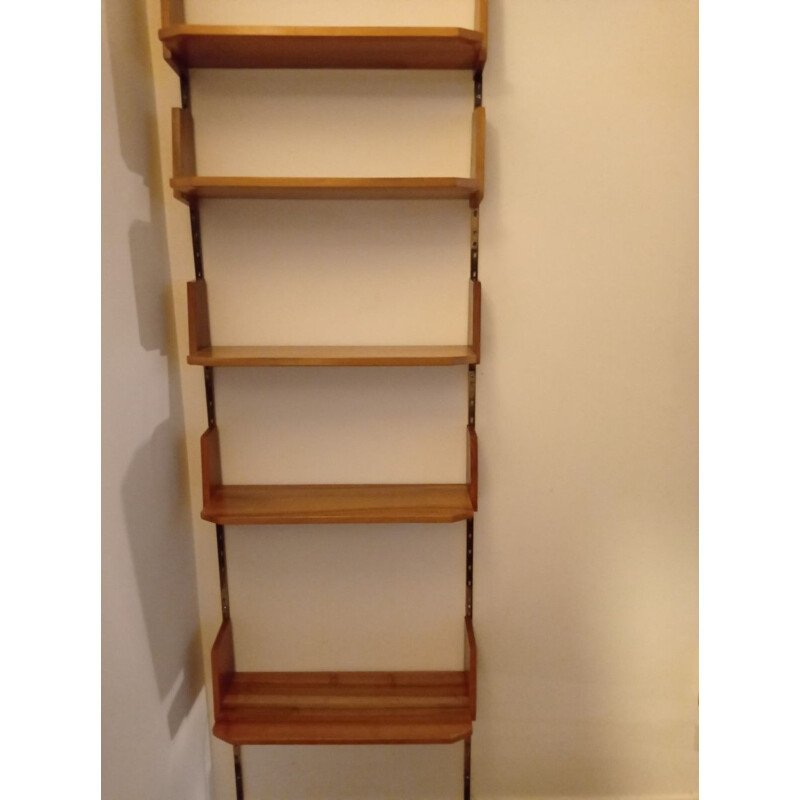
{"x": 325, "y": 188}
{"x": 334, "y": 356}
{"x": 256, "y": 47}
{"x": 345, "y": 708}
{"x": 344, "y": 503}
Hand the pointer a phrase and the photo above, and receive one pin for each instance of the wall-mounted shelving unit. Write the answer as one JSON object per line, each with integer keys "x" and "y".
{"x": 269, "y": 708}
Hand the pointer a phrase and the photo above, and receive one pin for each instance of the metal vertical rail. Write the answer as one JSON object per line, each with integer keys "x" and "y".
{"x": 208, "y": 380}
{"x": 470, "y": 542}
{"x": 472, "y": 376}
{"x": 237, "y": 771}
{"x": 208, "y": 373}
{"x": 222, "y": 562}
{"x": 467, "y": 767}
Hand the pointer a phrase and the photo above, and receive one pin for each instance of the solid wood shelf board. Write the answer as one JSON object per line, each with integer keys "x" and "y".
{"x": 255, "y": 47}
{"x": 333, "y": 503}
{"x": 340, "y": 707}
{"x": 343, "y": 503}
{"x": 187, "y": 187}
{"x": 334, "y": 356}
{"x": 345, "y": 708}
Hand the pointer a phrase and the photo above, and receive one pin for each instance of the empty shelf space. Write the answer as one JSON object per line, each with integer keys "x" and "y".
{"x": 203, "y": 353}
{"x": 341, "y": 707}
{"x": 253, "y": 47}
{"x": 334, "y": 503}
{"x": 188, "y": 186}
{"x": 289, "y": 356}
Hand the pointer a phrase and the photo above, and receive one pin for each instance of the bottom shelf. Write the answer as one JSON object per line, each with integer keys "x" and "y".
{"x": 341, "y": 707}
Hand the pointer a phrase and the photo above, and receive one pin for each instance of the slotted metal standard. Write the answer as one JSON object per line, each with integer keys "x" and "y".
{"x": 472, "y": 380}
{"x": 194, "y": 217}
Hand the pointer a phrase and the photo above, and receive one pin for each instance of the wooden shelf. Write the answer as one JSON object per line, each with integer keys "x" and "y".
{"x": 203, "y": 353}
{"x": 233, "y": 188}
{"x": 291, "y": 356}
{"x": 311, "y": 504}
{"x": 334, "y": 503}
{"x": 341, "y": 707}
{"x": 187, "y": 185}
{"x": 257, "y": 47}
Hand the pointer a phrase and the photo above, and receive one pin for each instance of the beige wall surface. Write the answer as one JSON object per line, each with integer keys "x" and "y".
{"x": 586, "y": 538}
{"x": 154, "y": 717}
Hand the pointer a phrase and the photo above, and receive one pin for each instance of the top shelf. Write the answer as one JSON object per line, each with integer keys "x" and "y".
{"x": 262, "y": 47}
{"x": 247, "y": 47}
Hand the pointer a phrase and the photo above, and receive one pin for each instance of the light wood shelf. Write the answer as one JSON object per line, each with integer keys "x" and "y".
{"x": 337, "y": 503}
{"x": 334, "y": 356}
{"x": 252, "y": 708}
{"x": 256, "y": 47}
{"x": 187, "y": 185}
{"x": 203, "y": 353}
{"x": 334, "y": 503}
{"x": 235, "y": 188}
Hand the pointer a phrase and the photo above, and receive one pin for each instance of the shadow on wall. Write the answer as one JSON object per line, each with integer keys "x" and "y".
{"x": 155, "y": 488}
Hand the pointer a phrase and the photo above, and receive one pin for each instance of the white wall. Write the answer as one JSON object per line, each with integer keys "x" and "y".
{"x": 155, "y": 736}
{"x": 586, "y": 582}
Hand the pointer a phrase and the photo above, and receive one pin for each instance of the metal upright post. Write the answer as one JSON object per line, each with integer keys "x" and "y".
{"x": 472, "y": 376}
{"x": 208, "y": 380}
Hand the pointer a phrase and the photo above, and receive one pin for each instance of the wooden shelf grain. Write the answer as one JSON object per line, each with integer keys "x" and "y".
{"x": 258, "y": 47}
{"x": 311, "y": 356}
{"x": 313, "y": 504}
{"x": 230, "y": 188}
{"x": 337, "y": 503}
{"x": 253, "y": 708}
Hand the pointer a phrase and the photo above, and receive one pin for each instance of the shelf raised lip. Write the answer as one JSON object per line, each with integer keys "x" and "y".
{"x": 321, "y": 31}
{"x": 311, "y": 504}
{"x": 334, "y": 356}
{"x": 342, "y": 47}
